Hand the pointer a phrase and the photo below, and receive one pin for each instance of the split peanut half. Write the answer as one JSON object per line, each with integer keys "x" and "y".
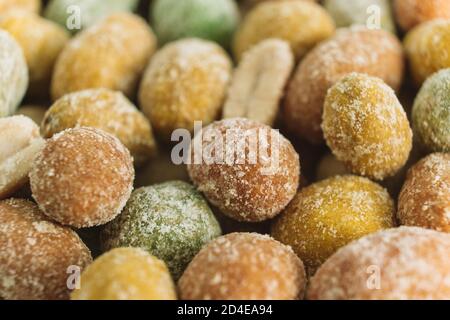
{"x": 20, "y": 142}
{"x": 258, "y": 82}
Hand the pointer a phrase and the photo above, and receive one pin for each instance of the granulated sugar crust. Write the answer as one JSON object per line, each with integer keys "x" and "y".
{"x": 36, "y": 253}
{"x": 247, "y": 191}
{"x": 83, "y": 177}
{"x": 245, "y": 266}
{"x": 410, "y": 263}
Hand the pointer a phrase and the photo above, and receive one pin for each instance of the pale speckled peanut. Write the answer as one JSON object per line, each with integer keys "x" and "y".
{"x": 20, "y": 142}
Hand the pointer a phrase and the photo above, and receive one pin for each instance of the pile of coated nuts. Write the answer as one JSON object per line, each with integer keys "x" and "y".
{"x": 224, "y": 149}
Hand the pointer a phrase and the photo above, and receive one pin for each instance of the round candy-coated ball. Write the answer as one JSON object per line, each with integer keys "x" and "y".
{"x": 255, "y": 176}
{"x": 171, "y": 221}
{"x": 214, "y": 20}
{"x": 126, "y": 274}
{"x": 37, "y": 256}
{"x": 42, "y": 41}
{"x": 103, "y": 109}
{"x": 302, "y": 24}
{"x": 112, "y": 54}
{"x": 83, "y": 177}
{"x": 186, "y": 81}
{"x": 330, "y": 214}
{"x": 366, "y": 127}
{"x": 425, "y": 197}
{"x": 431, "y": 113}
{"x": 398, "y": 264}
{"x": 410, "y": 13}
{"x": 427, "y": 47}
{"x": 244, "y": 266}
{"x": 375, "y": 52}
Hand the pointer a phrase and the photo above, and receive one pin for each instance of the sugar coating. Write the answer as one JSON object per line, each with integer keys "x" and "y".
{"x": 126, "y": 274}
{"x": 406, "y": 263}
{"x": 431, "y": 113}
{"x": 36, "y": 253}
{"x": 330, "y": 214}
{"x": 20, "y": 142}
{"x": 248, "y": 185}
{"x": 13, "y": 74}
{"x": 356, "y": 49}
{"x": 111, "y": 54}
{"x": 427, "y": 48}
{"x": 258, "y": 83}
{"x": 171, "y": 221}
{"x": 26, "y": 5}
{"x": 186, "y": 81}
{"x": 107, "y": 110}
{"x": 91, "y": 11}
{"x": 17, "y": 133}
{"x": 244, "y": 266}
{"x": 83, "y": 177}
{"x": 41, "y": 41}
{"x": 211, "y": 20}
{"x": 425, "y": 198}
{"x": 410, "y": 13}
{"x": 350, "y": 12}
{"x": 366, "y": 127}
{"x": 301, "y": 23}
